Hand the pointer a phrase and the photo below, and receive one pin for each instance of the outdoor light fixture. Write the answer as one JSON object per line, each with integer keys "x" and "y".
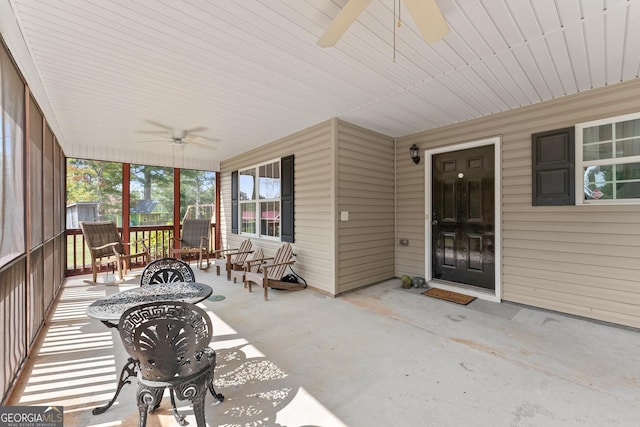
{"x": 413, "y": 150}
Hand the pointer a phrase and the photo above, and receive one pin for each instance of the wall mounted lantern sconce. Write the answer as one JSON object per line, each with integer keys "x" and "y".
{"x": 413, "y": 150}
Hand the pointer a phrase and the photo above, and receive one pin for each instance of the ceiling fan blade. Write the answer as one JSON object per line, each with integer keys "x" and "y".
{"x": 428, "y": 18}
{"x": 145, "y": 141}
{"x": 197, "y": 144}
{"x": 152, "y": 132}
{"x": 341, "y": 22}
{"x": 196, "y": 129}
{"x": 161, "y": 125}
{"x": 197, "y": 138}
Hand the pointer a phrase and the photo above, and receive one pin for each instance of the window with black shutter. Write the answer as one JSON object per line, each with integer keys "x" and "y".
{"x": 553, "y": 179}
{"x": 286, "y": 199}
{"x": 262, "y": 200}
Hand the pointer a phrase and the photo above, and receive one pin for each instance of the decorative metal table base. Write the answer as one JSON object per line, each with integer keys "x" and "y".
{"x": 128, "y": 370}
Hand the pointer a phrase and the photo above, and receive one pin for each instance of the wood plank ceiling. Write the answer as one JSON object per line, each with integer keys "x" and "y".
{"x": 251, "y": 72}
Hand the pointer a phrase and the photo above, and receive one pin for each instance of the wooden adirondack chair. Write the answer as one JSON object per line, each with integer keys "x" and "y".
{"x": 255, "y": 267}
{"x": 106, "y": 247}
{"x": 271, "y": 271}
{"x": 194, "y": 240}
{"x": 232, "y": 259}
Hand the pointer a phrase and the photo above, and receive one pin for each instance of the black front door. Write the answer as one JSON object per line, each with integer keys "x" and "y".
{"x": 463, "y": 217}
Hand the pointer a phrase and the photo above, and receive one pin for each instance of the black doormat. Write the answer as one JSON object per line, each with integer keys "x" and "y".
{"x": 449, "y": 296}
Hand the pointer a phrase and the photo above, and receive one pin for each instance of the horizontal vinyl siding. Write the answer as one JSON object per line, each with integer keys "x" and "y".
{"x": 313, "y": 202}
{"x": 365, "y": 243}
{"x": 410, "y": 214}
{"x": 583, "y": 260}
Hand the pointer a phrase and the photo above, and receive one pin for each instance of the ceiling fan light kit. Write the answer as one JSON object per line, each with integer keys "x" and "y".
{"x": 179, "y": 137}
{"x": 426, "y": 15}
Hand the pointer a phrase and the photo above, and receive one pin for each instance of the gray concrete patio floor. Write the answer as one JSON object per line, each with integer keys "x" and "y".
{"x": 379, "y": 356}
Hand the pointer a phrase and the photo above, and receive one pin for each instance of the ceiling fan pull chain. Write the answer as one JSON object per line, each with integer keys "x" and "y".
{"x": 394, "y": 27}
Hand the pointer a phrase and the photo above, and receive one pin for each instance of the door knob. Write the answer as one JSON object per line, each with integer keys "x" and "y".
{"x": 434, "y": 222}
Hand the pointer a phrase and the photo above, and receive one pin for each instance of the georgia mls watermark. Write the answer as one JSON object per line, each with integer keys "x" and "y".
{"x": 31, "y": 416}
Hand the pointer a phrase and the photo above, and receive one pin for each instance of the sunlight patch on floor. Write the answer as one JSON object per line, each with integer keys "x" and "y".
{"x": 304, "y": 409}
{"x": 80, "y": 361}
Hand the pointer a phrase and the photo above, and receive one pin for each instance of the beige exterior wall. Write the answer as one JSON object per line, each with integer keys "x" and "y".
{"x": 583, "y": 260}
{"x": 314, "y": 205}
{"x": 365, "y": 243}
{"x": 337, "y": 167}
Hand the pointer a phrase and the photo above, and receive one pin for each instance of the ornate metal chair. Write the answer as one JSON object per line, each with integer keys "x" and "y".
{"x": 195, "y": 240}
{"x": 167, "y": 270}
{"x": 170, "y": 340}
{"x": 106, "y": 247}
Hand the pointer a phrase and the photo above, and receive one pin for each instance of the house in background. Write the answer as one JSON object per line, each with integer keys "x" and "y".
{"x": 150, "y": 212}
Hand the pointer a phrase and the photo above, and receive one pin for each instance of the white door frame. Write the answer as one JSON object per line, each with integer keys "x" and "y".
{"x": 490, "y": 295}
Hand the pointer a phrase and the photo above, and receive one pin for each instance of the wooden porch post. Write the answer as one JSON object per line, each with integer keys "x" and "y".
{"x": 126, "y": 194}
{"x": 217, "y": 238}
{"x": 176, "y": 207}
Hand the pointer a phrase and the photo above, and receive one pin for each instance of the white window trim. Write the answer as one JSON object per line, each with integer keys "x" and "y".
{"x": 257, "y": 201}
{"x": 580, "y": 163}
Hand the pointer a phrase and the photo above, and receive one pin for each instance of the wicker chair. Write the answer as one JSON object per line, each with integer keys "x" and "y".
{"x": 166, "y": 270}
{"x": 170, "y": 340}
{"x": 194, "y": 240}
{"x": 271, "y": 270}
{"x": 232, "y": 259}
{"x": 106, "y": 247}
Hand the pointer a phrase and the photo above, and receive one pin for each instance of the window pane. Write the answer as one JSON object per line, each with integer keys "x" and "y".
{"x": 597, "y": 134}
{"x": 598, "y": 151}
{"x": 151, "y": 201}
{"x": 270, "y": 219}
{"x": 597, "y": 182}
{"x": 248, "y": 218}
{"x": 628, "y": 129}
{"x": 269, "y": 184}
{"x": 615, "y": 147}
{"x": 197, "y": 193}
{"x": 94, "y": 191}
{"x": 630, "y": 147}
{"x": 612, "y": 182}
{"x": 247, "y": 183}
{"x": 628, "y": 190}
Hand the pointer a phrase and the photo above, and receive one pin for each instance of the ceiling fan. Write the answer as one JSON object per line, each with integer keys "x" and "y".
{"x": 425, "y": 13}
{"x": 179, "y": 137}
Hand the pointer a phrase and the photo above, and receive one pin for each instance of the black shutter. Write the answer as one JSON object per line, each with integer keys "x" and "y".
{"x": 234, "y": 202}
{"x": 553, "y": 179}
{"x": 286, "y": 199}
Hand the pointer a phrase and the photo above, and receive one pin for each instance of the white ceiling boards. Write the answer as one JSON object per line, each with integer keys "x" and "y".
{"x": 250, "y": 72}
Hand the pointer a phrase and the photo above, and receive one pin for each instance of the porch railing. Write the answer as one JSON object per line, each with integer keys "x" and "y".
{"x": 159, "y": 238}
